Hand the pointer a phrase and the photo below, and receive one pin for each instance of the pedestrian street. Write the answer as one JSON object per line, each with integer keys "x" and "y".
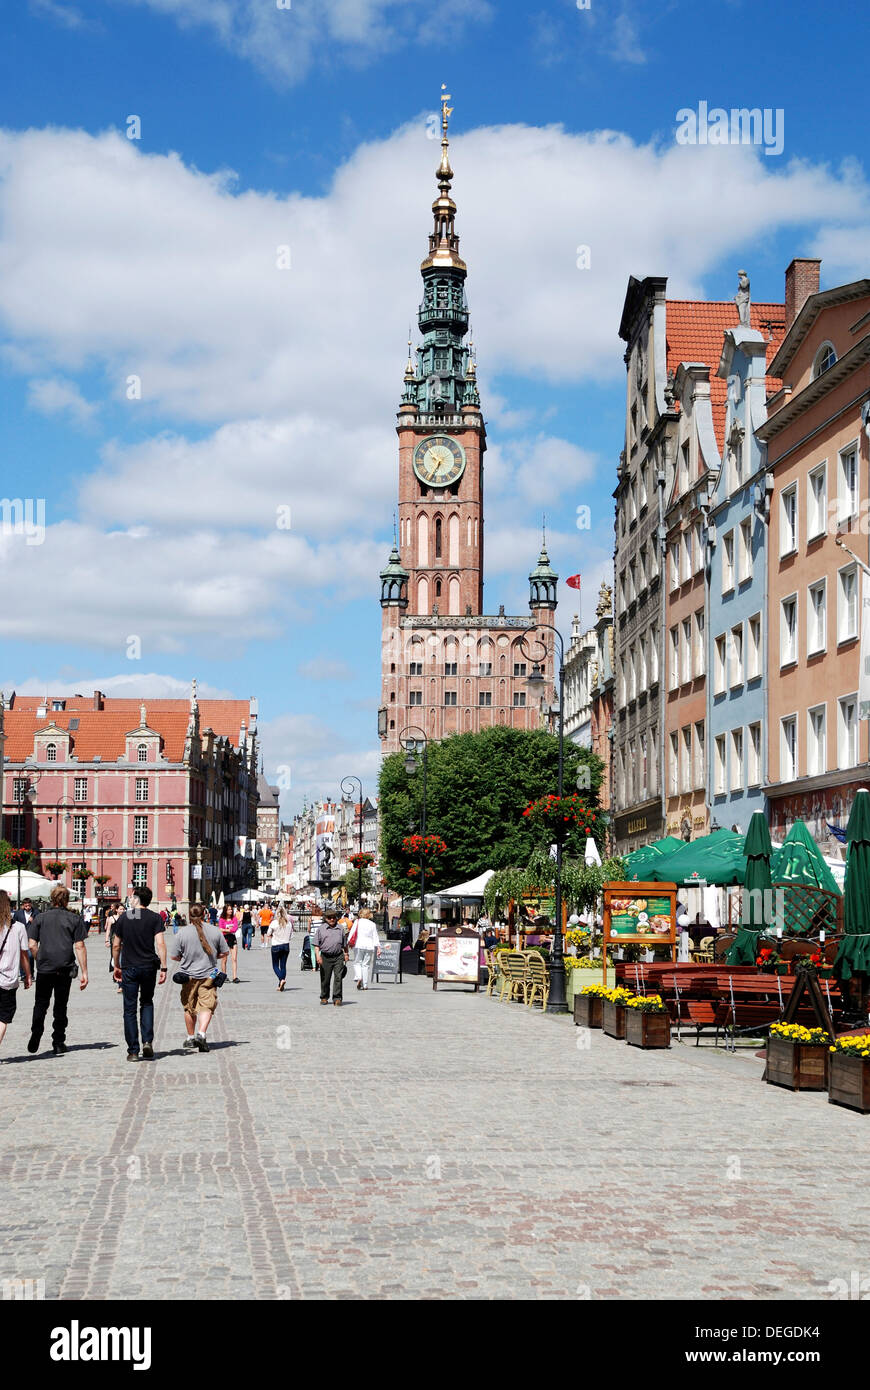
{"x": 411, "y": 1144}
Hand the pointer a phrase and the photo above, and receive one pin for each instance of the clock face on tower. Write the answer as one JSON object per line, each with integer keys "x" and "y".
{"x": 439, "y": 461}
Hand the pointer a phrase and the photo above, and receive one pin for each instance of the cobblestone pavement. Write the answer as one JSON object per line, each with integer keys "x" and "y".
{"x": 412, "y": 1144}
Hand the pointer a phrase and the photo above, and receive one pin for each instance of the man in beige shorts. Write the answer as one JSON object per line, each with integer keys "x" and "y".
{"x": 200, "y": 951}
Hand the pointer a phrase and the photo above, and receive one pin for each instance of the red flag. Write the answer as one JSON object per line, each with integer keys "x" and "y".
{"x": 573, "y": 581}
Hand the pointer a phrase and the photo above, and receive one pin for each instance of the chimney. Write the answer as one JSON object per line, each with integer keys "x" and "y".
{"x": 801, "y": 280}
{"x": 98, "y": 699}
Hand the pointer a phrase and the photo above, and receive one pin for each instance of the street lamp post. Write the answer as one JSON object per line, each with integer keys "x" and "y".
{"x": 557, "y": 1003}
{"x": 412, "y": 749}
{"x": 347, "y": 795}
{"x": 65, "y": 802}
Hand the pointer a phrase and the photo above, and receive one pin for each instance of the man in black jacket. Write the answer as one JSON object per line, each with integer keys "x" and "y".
{"x": 57, "y": 940}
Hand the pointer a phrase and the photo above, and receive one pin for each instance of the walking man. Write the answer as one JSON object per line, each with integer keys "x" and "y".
{"x": 57, "y": 940}
{"x": 24, "y": 915}
{"x": 201, "y": 951}
{"x": 14, "y": 962}
{"x": 141, "y": 933}
{"x": 330, "y": 949}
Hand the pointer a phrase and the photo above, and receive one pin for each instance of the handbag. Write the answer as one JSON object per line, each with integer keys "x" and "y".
{"x": 351, "y": 940}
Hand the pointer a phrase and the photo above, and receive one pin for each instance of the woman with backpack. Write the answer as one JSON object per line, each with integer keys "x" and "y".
{"x": 200, "y": 950}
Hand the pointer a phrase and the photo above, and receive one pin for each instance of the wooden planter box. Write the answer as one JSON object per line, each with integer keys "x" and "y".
{"x": 613, "y": 1019}
{"x": 849, "y": 1082}
{"x": 647, "y": 1030}
{"x": 587, "y": 1010}
{"x": 797, "y": 1066}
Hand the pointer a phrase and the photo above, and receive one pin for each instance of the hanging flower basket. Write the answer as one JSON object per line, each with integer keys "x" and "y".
{"x": 559, "y": 814}
{"x": 56, "y": 867}
{"x": 430, "y": 845}
{"x": 19, "y": 858}
{"x": 362, "y": 861}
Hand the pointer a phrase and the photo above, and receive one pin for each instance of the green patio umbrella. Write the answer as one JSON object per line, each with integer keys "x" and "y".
{"x": 853, "y": 957}
{"x": 801, "y": 861}
{"x": 642, "y": 860}
{"x": 744, "y": 948}
{"x": 717, "y": 858}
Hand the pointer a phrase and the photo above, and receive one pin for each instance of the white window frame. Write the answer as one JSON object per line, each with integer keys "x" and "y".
{"x": 744, "y": 551}
{"x": 816, "y": 641}
{"x": 674, "y": 552}
{"x": 788, "y": 532}
{"x": 753, "y": 749}
{"x": 720, "y": 769}
{"x": 685, "y": 651}
{"x": 754, "y": 643}
{"x": 792, "y": 720}
{"x": 686, "y": 761}
{"x": 674, "y": 769}
{"x": 700, "y": 754}
{"x": 720, "y": 680}
{"x": 784, "y": 658}
{"x": 674, "y": 657}
{"x": 735, "y": 657}
{"x": 736, "y": 759}
{"x": 848, "y": 491}
{"x": 844, "y": 635}
{"x": 816, "y": 764}
{"x": 699, "y": 546}
{"x": 80, "y": 784}
{"x": 699, "y": 665}
{"x": 140, "y": 831}
{"x": 817, "y": 502}
{"x": 842, "y": 729}
{"x": 728, "y": 562}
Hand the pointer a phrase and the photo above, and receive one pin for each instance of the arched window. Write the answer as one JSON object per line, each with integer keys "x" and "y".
{"x": 142, "y": 753}
{"x": 453, "y": 602}
{"x": 453, "y": 539}
{"x": 51, "y": 753}
{"x": 437, "y": 538}
{"x": 423, "y": 595}
{"x": 824, "y": 358}
{"x": 423, "y": 543}
{"x": 438, "y": 582}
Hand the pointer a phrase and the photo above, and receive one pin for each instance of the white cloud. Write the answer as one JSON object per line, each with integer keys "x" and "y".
{"x": 286, "y": 41}
{"x": 317, "y": 756}
{"x": 623, "y": 40}
{"x": 153, "y": 686}
{"x": 54, "y": 396}
{"x": 65, "y": 15}
{"x": 286, "y": 382}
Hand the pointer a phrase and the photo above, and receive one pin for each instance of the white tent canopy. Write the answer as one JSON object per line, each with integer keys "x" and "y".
{"x": 472, "y": 889}
{"x": 32, "y": 885}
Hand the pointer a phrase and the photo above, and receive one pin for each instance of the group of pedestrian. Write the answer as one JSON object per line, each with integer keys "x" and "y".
{"x": 53, "y": 945}
{"x": 333, "y": 937}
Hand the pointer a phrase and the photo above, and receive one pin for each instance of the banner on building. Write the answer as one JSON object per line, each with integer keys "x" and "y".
{"x": 241, "y": 842}
{"x": 864, "y": 667}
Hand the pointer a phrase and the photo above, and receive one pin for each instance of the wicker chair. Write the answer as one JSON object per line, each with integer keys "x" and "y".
{"x": 493, "y": 973}
{"x": 512, "y": 966}
{"x": 537, "y": 980}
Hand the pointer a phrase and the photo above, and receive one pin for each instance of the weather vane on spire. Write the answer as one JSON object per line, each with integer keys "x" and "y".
{"x": 446, "y": 111}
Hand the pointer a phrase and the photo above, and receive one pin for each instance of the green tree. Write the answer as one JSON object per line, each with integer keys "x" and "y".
{"x": 478, "y": 786}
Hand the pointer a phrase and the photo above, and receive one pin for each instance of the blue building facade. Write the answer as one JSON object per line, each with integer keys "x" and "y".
{"x": 737, "y": 603}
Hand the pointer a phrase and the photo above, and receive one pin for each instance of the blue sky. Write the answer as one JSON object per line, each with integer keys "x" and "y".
{"x": 261, "y": 389}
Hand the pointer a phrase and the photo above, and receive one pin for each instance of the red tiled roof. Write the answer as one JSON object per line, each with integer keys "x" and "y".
{"x": 695, "y": 330}
{"x": 103, "y": 732}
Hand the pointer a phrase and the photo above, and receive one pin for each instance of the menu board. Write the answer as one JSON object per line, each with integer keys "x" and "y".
{"x": 457, "y": 960}
{"x": 389, "y": 962}
{"x": 640, "y": 912}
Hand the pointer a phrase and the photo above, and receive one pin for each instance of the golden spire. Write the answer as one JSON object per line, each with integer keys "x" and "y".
{"x": 444, "y": 243}
{"x": 409, "y": 368}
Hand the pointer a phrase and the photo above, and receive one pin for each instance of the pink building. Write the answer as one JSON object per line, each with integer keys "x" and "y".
{"x": 160, "y": 792}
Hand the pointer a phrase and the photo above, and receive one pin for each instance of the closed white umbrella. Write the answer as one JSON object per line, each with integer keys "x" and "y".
{"x": 591, "y": 855}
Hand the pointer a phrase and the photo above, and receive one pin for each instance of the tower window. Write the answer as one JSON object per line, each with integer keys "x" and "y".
{"x": 437, "y": 588}
{"x": 438, "y": 542}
